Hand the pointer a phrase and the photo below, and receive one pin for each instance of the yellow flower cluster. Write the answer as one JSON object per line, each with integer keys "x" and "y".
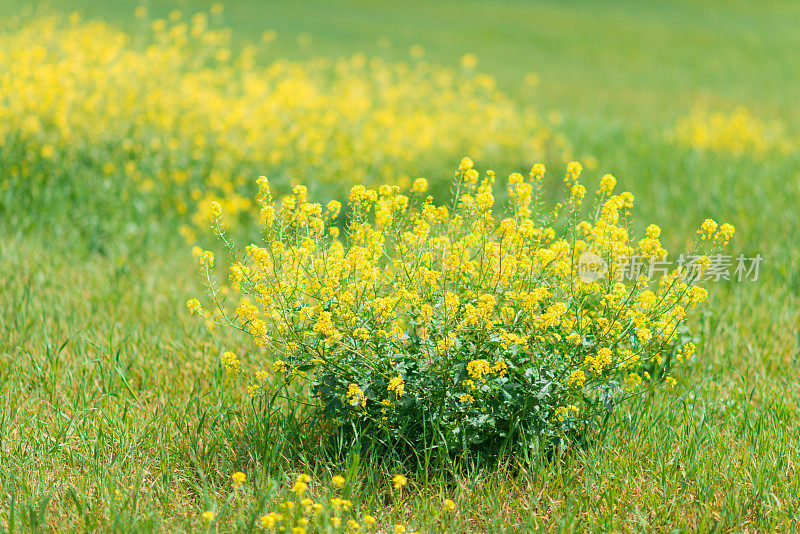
{"x": 736, "y": 132}
{"x": 175, "y": 112}
{"x": 416, "y": 287}
{"x": 299, "y": 513}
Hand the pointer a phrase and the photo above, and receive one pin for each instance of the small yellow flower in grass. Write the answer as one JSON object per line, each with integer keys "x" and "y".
{"x": 670, "y": 381}
{"x": 299, "y": 488}
{"x": 301, "y": 484}
{"x": 573, "y": 172}
{"x": 704, "y": 262}
{"x": 449, "y": 505}
{"x": 399, "y": 481}
{"x": 398, "y": 385}
{"x": 577, "y": 378}
{"x": 633, "y": 380}
{"x": 561, "y": 413}
{"x": 353, "y": 525}
{"x": 193, "y": 305}
{"x": 230, "y": 361}
{"x": 338, "y": 481}
{"x": 208, "y": 516}
{"x": 708, "y": 227}
{"x": 469, "y": 61}
{"x": 369, "y": 521}
{"x": 238, "y": 478}
{"x": 399, "y": 529}
{"x": 279, "y": 366}
{"x": 420, "y": 185}
{"x": 298, "y": 530}
{"x": 653, "y": 231}
{"x": 355, "y": 396}
{"x": 725, "y": 232}
{"x": 607, "y": 184}
{"x": 537, "y": 172}
{"x": 602, "y": 360}
{"x": 577, "y": 194}
{"x": 336, "y": 522}
{"x": 627, "y": 199}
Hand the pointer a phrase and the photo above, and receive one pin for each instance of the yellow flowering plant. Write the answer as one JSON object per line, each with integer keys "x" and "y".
{"x": 170, "y": 120}
{"x": 738, "y": 132}
{"x": 461, "y": 324}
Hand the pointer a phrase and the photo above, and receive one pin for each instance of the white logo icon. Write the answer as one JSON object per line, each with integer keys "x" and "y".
{"x": 591, "y": 267}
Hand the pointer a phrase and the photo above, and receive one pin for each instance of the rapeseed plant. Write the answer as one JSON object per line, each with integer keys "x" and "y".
{"x": 737, "y": 132}
{"x": 171, "y": 119}
{"x": 461, "y": 324}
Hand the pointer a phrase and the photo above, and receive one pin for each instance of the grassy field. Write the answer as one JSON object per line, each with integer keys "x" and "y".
{"x": 115, "y": 414}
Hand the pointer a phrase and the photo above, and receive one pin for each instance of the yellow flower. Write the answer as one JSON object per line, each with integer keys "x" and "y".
{"x": 420, "y": 185}
{"x": 708, "y": 227}
{"x": 338, "y": 481}
{"x": 194, "y": 306}
{"x": 726, "y": 231}
{"x": 633, "y": 380}
{"x": 469, "y": 61}
{"x": 399, "y": 481}
{"x": 230, "y": 361}
{"x": 607, "y": 184}
{"x": 397, "y": 384}
{"x": 602, "y": 360}
{"x": 355, "y": 396}
{"x": 577, "y": 378}
{"x": 299, "y": 488}
{"x": 238, "y": 478}
{"x": 449, "y": 505}
{"x": 208, "y": 516}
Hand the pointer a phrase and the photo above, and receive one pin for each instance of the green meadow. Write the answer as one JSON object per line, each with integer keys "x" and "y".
{"x": 116, "y": 414}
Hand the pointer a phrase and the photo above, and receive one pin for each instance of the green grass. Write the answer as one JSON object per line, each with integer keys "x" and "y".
{"x": 105, "y": 382}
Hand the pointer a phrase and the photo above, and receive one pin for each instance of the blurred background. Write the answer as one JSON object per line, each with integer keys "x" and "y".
{"x": 633, "y": 61}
